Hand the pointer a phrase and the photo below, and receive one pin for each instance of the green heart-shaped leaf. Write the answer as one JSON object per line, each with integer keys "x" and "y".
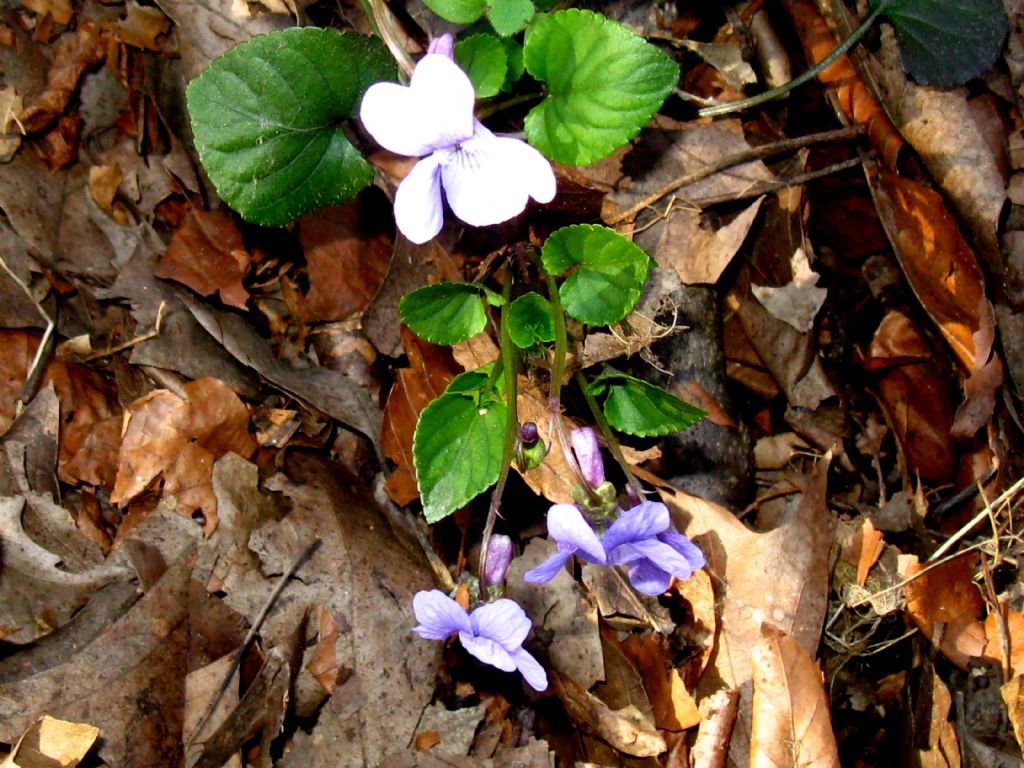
{"x": 947, "y": 42}
{"x": 444, "y": 313}
{"x": 603, "y": 84}
{"x": 609, "y": 275}
{"x": 267, "y": 115}
{"x": 457, "y": 445}
{"x": 509, "y": 16}
{"x": 637, "y": 407}
{"x": 482, "y": 57}
{"x": 457, "y": 11}
{"x": 530, "y": 320}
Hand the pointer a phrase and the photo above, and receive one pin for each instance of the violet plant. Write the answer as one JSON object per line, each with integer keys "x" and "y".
{"x": 269, "y": 119}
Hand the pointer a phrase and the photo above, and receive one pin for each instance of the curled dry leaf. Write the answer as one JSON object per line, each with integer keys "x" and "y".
{"x": 76, "y": 53}
{"x": 945, "y": 605}
{"x": 206, "y": 254}
{"x": 624, "y": 730}
{"x": 1015, "y": 636}
{"x": 947, "y": 280}
{"x": 791, "y": 723}
{"x": 914, "y": 396}
{"x": 673, "y": 705}
{"x": 53, "y": 742}
{"x": 142, "y": 26}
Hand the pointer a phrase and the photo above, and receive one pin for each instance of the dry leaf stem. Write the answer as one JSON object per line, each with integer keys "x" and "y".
{"x": 749, "y": 155}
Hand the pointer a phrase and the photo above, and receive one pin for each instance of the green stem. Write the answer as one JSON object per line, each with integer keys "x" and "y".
{"x": 386, "y": 30}
{"x": 509, "y": 360}
{"x": 782, "y": 90}
{"x": 609, "y": 437}
{"x": 498, "y": 106}
{"x": 555, "y": 391}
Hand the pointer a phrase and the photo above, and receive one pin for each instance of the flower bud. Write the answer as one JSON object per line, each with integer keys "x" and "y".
{"x": 444, "y": 45}
{"x": 499, "y": 555}
{"x": 528, "y": 434}
{"x": 588, "y": 454}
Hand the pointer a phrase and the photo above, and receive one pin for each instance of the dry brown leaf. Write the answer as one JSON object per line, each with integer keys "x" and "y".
{"x": 673, "y": 705}
{"x": 855, "y": 99}
{"x": 346, "y": 260}
{"x": 780, "y": 576}
{"x": 430, "y": 369}
{"x": 941, "y": 749}
{"x": 76, "y": 53}
{"x": 10, "y": 131}
{"x": 1015, "y": 631}
{"x": 17, "y": 348}
{"x": 103, "y": 183}
{"x": 206, "y": 254}
{"x": 1013, "y": 697}
{"x": 945, "y": 605}
{"x": 624, "y": 730}
{"x": 324, "y": 664}
{"x": 791, "y": 723}
{"x": 52, "y": 743}
{"x": 219, "y": 420}
{"x": 947, "y": 280}
{"x": 914, "y": 396}
{"x": 59, "y": 10}
{"x": 141, "y": 26}
{"x": 155, "y": 434}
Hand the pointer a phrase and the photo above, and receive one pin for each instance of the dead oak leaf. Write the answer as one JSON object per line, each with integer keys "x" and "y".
{"x": 206, "y": 254}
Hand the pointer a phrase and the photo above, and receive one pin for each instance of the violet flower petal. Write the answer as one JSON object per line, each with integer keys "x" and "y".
{"x": 665, "y": 557}
{"x": 434, "y": 111}
{"x": 503, "y": 621}
{"x": 531, "y": 670}
{"x": 487, "y": 651}
{"x": 648, "y": 578}
{"x": 567, "y": 526}
{"x": 419, "y": 211}
{"x": 685, "y": 547}
{"x": 489, "y": 179}
{"x": 644, "y": 521}
{"x": 588, "y": 454}
{"x": 443, "y": 45}
{"x": 547, "y": 570}
{"x": 438, "y": 615}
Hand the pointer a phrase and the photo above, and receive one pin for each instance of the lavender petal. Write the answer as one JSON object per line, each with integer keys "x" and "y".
{"x": 588, "y": 454}
{"x": 487, "y": 651}
{"x": 547, "y": 570}
{"x": 419, "y": 210}
{"x": 503, "y": 621}
{"x": 531, "y": 670}
{"x": 567, "y": 526}
{"x": 438, "y": 615}
{"x": 647, "y": 519}
{"x": 648, "y": 578}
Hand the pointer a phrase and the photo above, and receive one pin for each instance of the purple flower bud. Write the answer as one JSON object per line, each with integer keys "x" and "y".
{"x": 444, "y": 45}
{"x": 529, "y": 434}
{"x": 588, "y": 454}
{"x": 499, "y": 555}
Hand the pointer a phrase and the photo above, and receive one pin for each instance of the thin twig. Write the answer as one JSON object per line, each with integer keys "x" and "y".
{"x": 131, "y": 342}
{"x": 35, "y": 369}
{"x": 756, "y": 153}
{"x": 251, "y": 637}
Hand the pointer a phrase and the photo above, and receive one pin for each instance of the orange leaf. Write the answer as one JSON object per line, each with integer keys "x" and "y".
{"x": 791, "y": 722}
{"x": 674, "y": 707}
{"x": 155, "y": 435}
{"x": 430, "y": 369}
{"x": 945, "y": 595}
{"x": 207, "y": 255}
{"x": 1015, "y": 630}
{"x": 914, "y": 396}
{"x": 855, "y": 98}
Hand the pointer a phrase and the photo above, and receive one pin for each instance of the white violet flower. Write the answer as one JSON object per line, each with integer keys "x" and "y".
{"x": 486, "y": 179}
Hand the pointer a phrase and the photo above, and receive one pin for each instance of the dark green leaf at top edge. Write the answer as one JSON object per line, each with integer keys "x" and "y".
{"x": 637, "y": 407}
{"x": 603, "y": 84}
{"x": 457, "y": 11}
{"x": 266, "y": 119}
{"x": 509, "y": 16}
{"x": 947, "y": 42}
{"x": 609, "y": 272}
{"x": 444, "y": 313}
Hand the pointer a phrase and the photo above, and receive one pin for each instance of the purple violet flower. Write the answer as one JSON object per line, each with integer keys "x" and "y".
{"x": 487, "y": 179}
{"x": 499, "y": 557}
{"x": 493, "y": 632}
{"x": 588, "y": 454}
{"x": 643, "y": 539}
{"x": 574, "y": 536}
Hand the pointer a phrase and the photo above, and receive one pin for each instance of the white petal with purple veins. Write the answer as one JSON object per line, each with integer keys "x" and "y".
{"x": 434, "y": 111}
{"x": 503, "y": 621}
{"x": 488, "y": 651}
{"x": 438, "y": 615}
{"x": 533, "y": 673}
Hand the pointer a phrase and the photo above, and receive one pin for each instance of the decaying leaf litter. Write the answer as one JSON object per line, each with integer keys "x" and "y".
{"x": 189, "y": 402}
